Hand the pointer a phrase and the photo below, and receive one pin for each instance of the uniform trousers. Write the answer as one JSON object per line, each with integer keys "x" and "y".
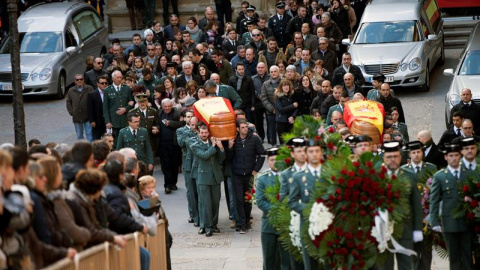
{"x": 459, "y": 247}
{"x": 209, "y": 205}
{"x": 423, "y": 260}
{"x": 270, "y": 251}
{"x": 404, "y": 262}
{"x": 192, "y": 196}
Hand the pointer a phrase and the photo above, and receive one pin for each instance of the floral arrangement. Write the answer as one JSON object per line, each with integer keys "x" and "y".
{"x": 250, "y": 196}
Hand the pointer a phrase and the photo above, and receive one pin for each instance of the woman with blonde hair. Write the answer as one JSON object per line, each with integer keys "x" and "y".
{"x": 285, "y": 108}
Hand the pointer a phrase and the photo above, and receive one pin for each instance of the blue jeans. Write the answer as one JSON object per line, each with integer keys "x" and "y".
{"x": 232, "y": 199}
{"x": 80, "y": 128}
{"x": 144, "y": 259}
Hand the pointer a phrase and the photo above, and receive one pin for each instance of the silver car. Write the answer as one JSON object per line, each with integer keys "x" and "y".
{"x": 466, "y": 75}
{"x": 403, "y": 40}
{"x": 55, "y": 39}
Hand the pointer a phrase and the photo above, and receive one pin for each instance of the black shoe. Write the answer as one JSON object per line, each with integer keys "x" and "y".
{"x": 201, "y": 231}
{"x": 209, "y": 233}
{"x": 196, "y": 224}
{"x": 190, "y": 220}
{"x": 174, "y": 187}
{"x": 215, "y": 229}
{"x": 237, "y": 229}
{"x": 243, "y": 230}
{"x": 168, "y": 190}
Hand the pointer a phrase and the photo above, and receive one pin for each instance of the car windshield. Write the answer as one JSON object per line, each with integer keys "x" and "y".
{"x": 387, "y": 32}
{"x": 40, "y": 42}
{"x": 470, "y": 65}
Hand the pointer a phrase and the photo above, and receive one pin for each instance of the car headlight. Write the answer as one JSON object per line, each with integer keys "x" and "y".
{"x": 415, "y": 63}
{"x": 45, "y": 74}
{"x": 404, "y": 66}
{"x": 34, "y": 76}
{"x": 454, "y": 99}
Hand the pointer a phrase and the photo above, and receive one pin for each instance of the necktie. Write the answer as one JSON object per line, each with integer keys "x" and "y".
{"x": 470, "y": 166}
{"x": 458, "y": 131}
{"x": 417, "y": 169}
{"x": 281, "y": 17}
{"x": 145, "y": 113}
{"x": 455, "y": 174}
{"x": 315, "y": 173}
{"x": 135, "y": 133}
{"x": 233, "y": 43}
{"x": 117, "y": 88}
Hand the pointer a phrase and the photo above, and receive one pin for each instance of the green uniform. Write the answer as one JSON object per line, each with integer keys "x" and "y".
{"x": 456, "y": 232}
{"x": 112, "y": 101}
{"x": 412, "y": 222}
{"x": 402, "y": 128}
{"x": 331, "y": 110}
{"x": 302, "y": 183}
{"x": 270, "y": 243}
{"x": 183, "y": 134}
{"x": 229, "y": 93}
{"x": 139, "y": 143}
{"x": 210, "y": 175}
{"x": 426, "y": 168}
{"x": 150, "y": 85}
{"x": 148, "y": 120}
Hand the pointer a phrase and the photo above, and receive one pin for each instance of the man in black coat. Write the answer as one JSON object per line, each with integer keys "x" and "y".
{"x": 247, "y": 162}
{"x": 295, "y": 25}
{"x": 278, "y": 24}
{"x": 187, "y": 75}
{"x": 95, "y": 108}
{"x": 431, "y": 150}
{"x": 91, "y": 76}
{"x": 469, "y": 109}
{"x": 322, "y": 95}
{"x": 245, "y": 89}
{"x": 390, "y": 101}
{"x": 330, "y": 101}
{"x": 198, "y": 58}
{"x": 229, "y": 45}
{"x": 323, "y": 53}
{"x": 454, "y": 131}
{"x": 347, "y": 67}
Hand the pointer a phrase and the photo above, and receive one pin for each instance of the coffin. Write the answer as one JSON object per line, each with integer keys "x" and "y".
{"x": 222, "y": 126}
{"x": 218, "y": 114}
{"x": 365, "y": 118}
{"x": 360, "y": 127}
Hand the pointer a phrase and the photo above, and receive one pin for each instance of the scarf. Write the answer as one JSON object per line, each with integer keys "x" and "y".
{"x": 428, "y": 143}
{"x": 192, "y": 31}
{"x": 239, "y": 82}
{"x": 211, "y": 36}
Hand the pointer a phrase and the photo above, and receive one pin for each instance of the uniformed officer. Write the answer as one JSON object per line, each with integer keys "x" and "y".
{"x": 183, "y": 134}
{"x": 301, "y": 185}
{"x": 469, "y": 153}
{"x": 148, "y": 119}
{"x": 278, "y": 24}
{"x": 412, "y": 224}
{"x": 117, "y": 101}
{"x": 209, "y": 154}
{"x": 249, "y": 17}
{"x": 423, "y": 170}
{"x": 444, "y": 189}
{"x": 136, "y": 137}
{"x": 363, "y": 143}
{"x": 190, "y": 159}
{"x": 270, "y": 243}
{"x": 299, "y": 156}
{"x": 247, "y": 35}
{"x": 377, "y": 81}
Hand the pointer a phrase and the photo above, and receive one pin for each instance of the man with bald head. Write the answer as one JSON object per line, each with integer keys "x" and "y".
{"x": 210, "y": 17}
{"x": 431, "y": 150}
{"x": 469, "y": 109}
{"x": 390, "y": 101}
{"x": 91, "y": 76}
{"x": 350, "y": 86}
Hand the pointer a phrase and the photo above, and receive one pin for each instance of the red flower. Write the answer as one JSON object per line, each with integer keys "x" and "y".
{"x": 465, "y": 188}
{"x": 288, "y": 160}
{"x": 390, "y": 209}
{"x": 381, "y": 176}
{"x": 361, "y": 171}
{"x": 340, "y": 180}
{"x": 339, "y": 191}
{"x": 478, "y": 185}
{"x": 350, "y": 244}
{"x": 330, "y": 145}
{"x": 356, "y": 164}
{"x": 384, "y": 170}
{"x": 350, "y": 184}
{"x": 253, "y": 191}
{"x": 329, "y": 244}
{"x": 318, "y": 137}
{"x": 363, "y": 213}
{"x": 360, "y": 246}
{"x": 369, "y": 164}
{"x": 248, "y": 197}
{"x": 319, "y": 200}
{"x": 359, "y": 234}
{"x": 331, "y": 130}
{"x": 333, "y": 177}
{"x": 343, "y": 171}
{"x": 389, "y": 186}
{"x": 477, "y": 228}
{"x": 278, "y": 197}
{"x": 474, "y": 203}
{"x": 371, "y": 171}
{"x": 470, "y": 216}
{"x": 351, "y": 174}
{"x": 349, "y": 235}
{"x": 394, "y": 177}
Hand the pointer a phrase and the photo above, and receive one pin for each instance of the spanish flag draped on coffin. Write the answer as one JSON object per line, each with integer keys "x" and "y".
{"x": 365, "y": 117}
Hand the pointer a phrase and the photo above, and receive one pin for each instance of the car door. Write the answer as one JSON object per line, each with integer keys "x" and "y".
{"x": 75, "y": 61}
{"x": 88, "y": 25}
{"x": 430, "y": 48}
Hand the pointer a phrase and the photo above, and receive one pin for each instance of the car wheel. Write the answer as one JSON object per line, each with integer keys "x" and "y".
{"x": 426, "y": 86}
{"x": 61, "y": 86}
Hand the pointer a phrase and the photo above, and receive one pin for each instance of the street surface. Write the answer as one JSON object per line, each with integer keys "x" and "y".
{"x": 48, "y": 120}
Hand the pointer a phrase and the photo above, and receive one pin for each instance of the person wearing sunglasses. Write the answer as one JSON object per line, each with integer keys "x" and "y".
{"x": 92, "y": 75}
{"x": 95, "y": 108}
{"x": 77, "y": 107}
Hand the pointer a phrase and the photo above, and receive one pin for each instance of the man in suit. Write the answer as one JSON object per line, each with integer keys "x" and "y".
{"x": 466, "y": 131}
{"x": 432, "y": 153}
{"x": 278, "y": 24}
{"x": 136, "y": 137}
{"x": 95, "y": 108}
{"x": 469, "y": 108}
{"x": 170, "y": 154}
{"x": 347, "y": 67}
{"x": 299, "y": 156}
{"x": 118, "y": 100}
{"x": 412, "y": 229}
{"x": 423, "y": 170}
{"x": 269, "y": 237}
{"x": 445, "y": 189}
{"x": 309, "y": 40}
{"x": 229, "y": 45}
{"x": 454, "y": 131}
{"x": 183, "y": 134}
{"x": 209, "y": 154}
{"x": 224, "y": 91}
{"x": 187, "y": 75}
{"x": 302, "y": 183}
{"x": 148, "y": 119}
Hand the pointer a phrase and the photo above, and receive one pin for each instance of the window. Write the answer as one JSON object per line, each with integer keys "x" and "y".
{"x": 40, "y": 42}
{"x": 387, "y": 32}
{"x": 70, "y": 39}
{"x": 470, "y": 65}
{"x": 87, "y": 23}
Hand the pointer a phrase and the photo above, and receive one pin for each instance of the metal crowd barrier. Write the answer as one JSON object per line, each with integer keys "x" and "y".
{"x": 109, "y": 257}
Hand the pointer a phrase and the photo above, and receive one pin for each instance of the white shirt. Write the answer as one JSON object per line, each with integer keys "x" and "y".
{"x": 217, "y": 91}
{"x": 297, "y": 168}
{"x": 417, "y": 165}
{"x": 132, "y": 130}
{"x": 467, "y": 164}
{"x": 312, "y": 170}
{"x": 452, "y": 170}
{"x": 427, "y": 150}
{"x": 389, "y": 172}
{"x": 101, "y": 94}
{"x": 144, "y": 112}
{"x": 117, "y": 87}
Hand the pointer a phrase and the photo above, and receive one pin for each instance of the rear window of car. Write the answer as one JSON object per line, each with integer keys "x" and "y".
{"x": 470, "y": 64}
{"x": 87, "y": 23}
{"x": 40, "y": 42}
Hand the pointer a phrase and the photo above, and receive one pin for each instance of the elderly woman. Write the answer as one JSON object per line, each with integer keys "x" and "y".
{"x": 292, "y": 75}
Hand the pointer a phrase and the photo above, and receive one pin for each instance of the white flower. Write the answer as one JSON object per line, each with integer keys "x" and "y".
{"x": 320, "y": 218}
{"x": 476, "y": 212}
{"x": 295, "y": 229}
{"x": 382, "y": 231}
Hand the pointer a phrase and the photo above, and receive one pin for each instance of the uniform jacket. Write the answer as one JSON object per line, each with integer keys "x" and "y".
{"x": 208, "y": 159}
{"x": 190, "y": 158}
{"x": 149, "y": 121}
{"x": 279, "y": 29}
{"x": 140, "y": 143}
{"x": 264, "y": 181}
{"x": 267, "y": 95}
{"x": 301, "y": 185}
{"x": 246, "y": 91}
{"x": 183, "y": 134}
{"x": 112, "y": 101}
{"x": 445, "y": 189}
{"x": 284, "y": 179}
{"x": 426, "y": 169}
{"x": 77, "y": 103}
{"x": 229, "y": 93}
{"x": 412, "y": 222}
{"x": 95, "y": 108}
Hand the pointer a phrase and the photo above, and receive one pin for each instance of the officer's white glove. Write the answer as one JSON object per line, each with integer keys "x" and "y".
{"x": 437, "y": 229}
{"x": 417, "y": 236}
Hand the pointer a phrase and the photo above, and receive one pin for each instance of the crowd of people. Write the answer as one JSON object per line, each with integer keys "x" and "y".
{"x": 134, "y": 106}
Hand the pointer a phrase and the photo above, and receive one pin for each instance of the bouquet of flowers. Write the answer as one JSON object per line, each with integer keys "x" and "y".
{"x": 250, "y": 194}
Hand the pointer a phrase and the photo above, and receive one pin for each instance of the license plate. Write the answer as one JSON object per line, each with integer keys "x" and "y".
{"x": 389, "y": 79}
{"x": 6, "y": 86}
